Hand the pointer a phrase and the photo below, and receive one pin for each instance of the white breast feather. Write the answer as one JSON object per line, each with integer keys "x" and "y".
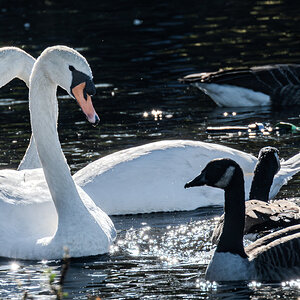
{"x": 226, "y": 266}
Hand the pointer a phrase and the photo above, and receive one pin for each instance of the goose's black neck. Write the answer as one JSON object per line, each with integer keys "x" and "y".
{"x": 262, "y": 180}
{"x": 231, "y": 239}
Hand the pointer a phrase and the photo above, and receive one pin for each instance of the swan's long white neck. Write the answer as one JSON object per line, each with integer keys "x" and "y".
{"x": 24, "y": 73}
{"x": 44, "y": 111}
{"x": 15, "y": 63}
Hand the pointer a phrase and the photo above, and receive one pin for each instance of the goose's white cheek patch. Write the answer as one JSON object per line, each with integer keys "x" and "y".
{"x": 225, "y": 179}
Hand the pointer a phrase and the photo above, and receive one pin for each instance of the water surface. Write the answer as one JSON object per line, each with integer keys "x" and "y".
{"x": 137, "y": 51}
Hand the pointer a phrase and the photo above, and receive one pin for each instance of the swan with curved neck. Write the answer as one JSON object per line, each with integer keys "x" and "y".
{"x": 16, "y": 63}
{"x": 170, "y": 161}
{"x": 81, "y": 226}
{"x": 275, "y": 257}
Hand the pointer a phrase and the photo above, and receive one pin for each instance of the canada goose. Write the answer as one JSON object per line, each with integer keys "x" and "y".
{"x": 262, "y": 214}
{"x": 275, "y": 258}
{"x": 277, "y": 85}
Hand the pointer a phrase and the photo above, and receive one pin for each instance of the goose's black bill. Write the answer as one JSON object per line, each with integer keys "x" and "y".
{"x": 198, "y": 181}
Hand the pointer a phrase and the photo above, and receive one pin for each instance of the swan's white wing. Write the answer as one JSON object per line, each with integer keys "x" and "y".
{"x": 287, "y": 170}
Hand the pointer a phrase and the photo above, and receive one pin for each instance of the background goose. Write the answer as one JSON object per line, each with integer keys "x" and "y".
{"x": 16, "y": 63}
{"x": 262, "y": 214}
{"x": 275, "y": 258}
{"x": 171, "y": 161}
{"x": 81, "y": 226}
{"x": 277, "y": 85}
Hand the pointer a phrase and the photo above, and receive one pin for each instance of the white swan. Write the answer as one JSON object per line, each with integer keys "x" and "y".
{"x": 81, "y": 226}
{"x": 147, "y": 178}
{"x": 16, "y": 63}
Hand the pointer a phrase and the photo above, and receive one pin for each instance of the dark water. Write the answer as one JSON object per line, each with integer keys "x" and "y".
{"x": 137, "y": 50}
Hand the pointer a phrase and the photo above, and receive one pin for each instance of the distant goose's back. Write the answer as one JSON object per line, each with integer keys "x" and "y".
{"x": 271, "y": 84}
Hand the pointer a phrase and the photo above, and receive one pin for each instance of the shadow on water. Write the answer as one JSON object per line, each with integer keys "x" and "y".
{"x": 137, "y": 51}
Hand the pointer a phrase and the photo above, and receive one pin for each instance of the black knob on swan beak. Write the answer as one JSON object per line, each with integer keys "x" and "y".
{"x": 97, "y": 120}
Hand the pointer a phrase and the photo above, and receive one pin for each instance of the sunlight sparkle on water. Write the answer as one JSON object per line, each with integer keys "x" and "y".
{"x": 134, "y": 251}
{"x": 14, "y": 266}
{"x": 157, "y": 114}
{"x": 113, "y": 249}
{"x": 254, "y": 284}
{"x": 292, "y": 284}
{"x": 206, "y": 285}
{"x": 184, "y": 243}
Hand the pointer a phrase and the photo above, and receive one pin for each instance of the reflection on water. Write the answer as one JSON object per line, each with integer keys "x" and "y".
{"x": 160, "y": 255}
{"x": 137, "y": 50}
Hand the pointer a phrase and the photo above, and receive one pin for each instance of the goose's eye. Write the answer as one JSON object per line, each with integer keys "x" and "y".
{"x": 218, "y": 169}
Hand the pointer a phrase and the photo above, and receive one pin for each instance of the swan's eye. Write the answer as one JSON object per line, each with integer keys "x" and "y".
{"x": 85, "y": 94}
{"x": 80, "y": 77}
{"x": 90, "y": 87}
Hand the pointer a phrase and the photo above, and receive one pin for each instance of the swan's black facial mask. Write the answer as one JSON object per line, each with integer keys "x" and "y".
{"x": 79, "y": 77}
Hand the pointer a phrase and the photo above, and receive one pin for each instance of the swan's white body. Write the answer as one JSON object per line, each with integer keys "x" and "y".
{"x": 149, "y": 178}
{"x": 76, "y": 223}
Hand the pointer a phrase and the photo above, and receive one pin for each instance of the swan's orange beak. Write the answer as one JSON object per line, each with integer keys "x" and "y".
{"x": 85, "y": 104}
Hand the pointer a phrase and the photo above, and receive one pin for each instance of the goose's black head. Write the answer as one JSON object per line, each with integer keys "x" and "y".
{"x": 267, "y": 166}
{"x": 268, "y": 158}
{"x": 217, "y": 173}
